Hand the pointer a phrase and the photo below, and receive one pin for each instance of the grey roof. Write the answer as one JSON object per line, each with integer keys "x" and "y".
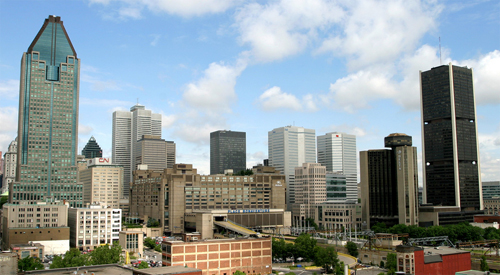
{"x": 428, "y": 259}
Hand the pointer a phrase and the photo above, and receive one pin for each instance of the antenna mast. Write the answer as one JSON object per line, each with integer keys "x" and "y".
{"x": 440, "y": 61}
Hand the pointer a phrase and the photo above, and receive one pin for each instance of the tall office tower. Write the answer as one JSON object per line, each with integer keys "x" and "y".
{"x": 228, "y": 150}
{"x": 310, "y": 185}
{"x": 170, "y": 154}
{"x": 389, "y": 183}
{"x": 48, "y": 119}
{"x": 92, "y": 149}
{"x": 150, "y": 151}
{"x": 10, "y": 166}
{"x": 290, "y": 147}
{"x": 337, "y": 151}
{"x": 128, "y": 128}
{"x": 449, "y": 138}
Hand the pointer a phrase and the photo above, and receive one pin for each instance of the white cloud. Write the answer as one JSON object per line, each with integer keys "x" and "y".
{"x": 274, "y": 98}
{"x": 486, "y": 77}
{"x": 348, "y": 129}
{"x": 187, "y": 8}
{"x": 283, "y": 28}
{"x": 355, "y": 91}
{"x": 8, "y": 131}
{"x": 9, "y": 88}
{"x": 196, "y": 127}
{"x": 379, "y": 31}
{"x": 84, "y": 129}
{"x": 214, "y": 92}
{"x": 167, "y": 121}
{"x": 156, "y": 38}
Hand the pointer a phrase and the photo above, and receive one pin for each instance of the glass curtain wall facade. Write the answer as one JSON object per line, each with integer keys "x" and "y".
{"x": 337, "y": 151}
{"x": 92, "y": 149}
{"x": 48, "y": 119}
{"x": 228, "y": 150}
{"x": 290, "y": 147}
{"x": 449, "y": 137}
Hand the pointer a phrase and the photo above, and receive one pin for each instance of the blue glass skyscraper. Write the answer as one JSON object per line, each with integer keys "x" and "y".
{"x": 48, "y": 119}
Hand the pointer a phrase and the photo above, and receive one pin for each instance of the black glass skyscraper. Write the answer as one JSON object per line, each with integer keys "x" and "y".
{"x": 228, "y": 150}
{"x": 449, "y": 137}
{"x": 92, "y": 149}
{"x": 48, "y": 119}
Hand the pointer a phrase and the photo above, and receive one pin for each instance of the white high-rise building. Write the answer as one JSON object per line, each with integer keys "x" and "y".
{"x": 10, "y": 165}
{"x": 128, "y": 128}
{"x": 337, "y": 151}
{"x": 290, "y": 147}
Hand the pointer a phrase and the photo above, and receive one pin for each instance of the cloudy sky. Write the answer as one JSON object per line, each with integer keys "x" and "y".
{"x": 206, "y": 65}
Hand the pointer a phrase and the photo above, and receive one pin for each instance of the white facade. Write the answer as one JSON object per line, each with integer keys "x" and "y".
{"x": 10, "y": 165}
{"x": 310, "y": 185}
{"x": 54, "y": 247}
{"x": 290, "y": 147}
{"x": 337, "y": 151}
{"x": 128, "y": 128}
{"x": 93, "y": 226}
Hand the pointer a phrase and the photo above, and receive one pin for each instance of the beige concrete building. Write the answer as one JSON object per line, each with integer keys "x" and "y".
{"x": 151, "y": 151}
{"x": 102, "y": 182}
{"x": 171, "y": 151}
{"x": 220, "y": 256}
{"x": 94, "y": 225}
{"x": 171, "y": 195}
{"x": 330, "y": 215}
{"x": 43, "y": 221}
{"x": 491, "y": 206}
{"x": 132, "y": 242}
{"x": 310, "y": 184}
{"x": 8, "y": 263}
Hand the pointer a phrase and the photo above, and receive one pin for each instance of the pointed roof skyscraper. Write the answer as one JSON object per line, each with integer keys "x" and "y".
{"x": 92, "y": 149}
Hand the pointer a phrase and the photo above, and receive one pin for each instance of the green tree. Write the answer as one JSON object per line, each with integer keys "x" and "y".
{"x": 379, "y": 227}
{"x": 352, "y": 249}
{"x": 240, "y": 273}
{"x": 326, "y": 258}
{"x": 152, "y": 223}
{"x": 290, "y": 250}
{"x": 3, "y": 200}
{"x": 148, "y": 242}
{"x": 71, "y": 258}
{"x": 106, "y": 254}
{"x": 382, "y": 264}
{"x": 304, "y": 246}
{"x": 484, "y": 264}
{"x": 143, "y": 265}
{"x": 158, "y": 248}
{"x": 29, "y": 263}
{"x": 391, "y": 261}
{"x": 279, "y": 248}
{"x": 339, "y": 269}
{"x": 310, "y": 222}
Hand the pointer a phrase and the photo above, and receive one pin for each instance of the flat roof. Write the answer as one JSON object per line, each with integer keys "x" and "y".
{"x": 111, "y": 269}
{"x": 166, "y": 270}
{"x": 442, "y": 250}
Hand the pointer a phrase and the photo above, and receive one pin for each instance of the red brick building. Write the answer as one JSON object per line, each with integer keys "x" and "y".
{"x": 220, "y": 256}
{"x": 487, "y": 218}
{"x": 432, "y": 261}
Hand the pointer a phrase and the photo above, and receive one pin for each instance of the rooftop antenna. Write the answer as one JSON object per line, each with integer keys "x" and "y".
{"x": 440, "y": 61}
{"x": 137, "y": 101}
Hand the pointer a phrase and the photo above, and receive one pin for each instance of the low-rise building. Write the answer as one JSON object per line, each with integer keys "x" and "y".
{"x": 97, "y": 224}
{"x": 132, "y": 242}
{"x": 8, "y": 263}
{"x": 220, "y": 256}
{"x": 44, "y": 222}
{"x": 33, "y": 250}
{"x": 330, "y": 215}
{"x": 491, "y": 205}
{"x": 432, "y": 260}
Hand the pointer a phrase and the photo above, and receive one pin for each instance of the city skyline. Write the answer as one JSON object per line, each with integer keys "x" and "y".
{"x": 307, "y": 72}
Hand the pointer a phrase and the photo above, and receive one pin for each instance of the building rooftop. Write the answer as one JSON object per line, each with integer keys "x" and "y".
{"x": 442, "y": 250}
{"x": 110, "y": 269}
{"x": 167, "y": 270}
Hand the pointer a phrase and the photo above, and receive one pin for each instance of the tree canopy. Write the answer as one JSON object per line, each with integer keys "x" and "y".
{"x": 100, "y": 255}
{"x": 304, "y": 246}
{"x": 29, "y": 263}
{"x": 326, "y": 258}
{"x": 352, "y": 249}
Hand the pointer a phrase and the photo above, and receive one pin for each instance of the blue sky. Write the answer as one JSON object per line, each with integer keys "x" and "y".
{"x": 252, "y": 66}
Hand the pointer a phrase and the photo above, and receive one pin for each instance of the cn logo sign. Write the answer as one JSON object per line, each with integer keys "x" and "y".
{"x": 103, "y": 160}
